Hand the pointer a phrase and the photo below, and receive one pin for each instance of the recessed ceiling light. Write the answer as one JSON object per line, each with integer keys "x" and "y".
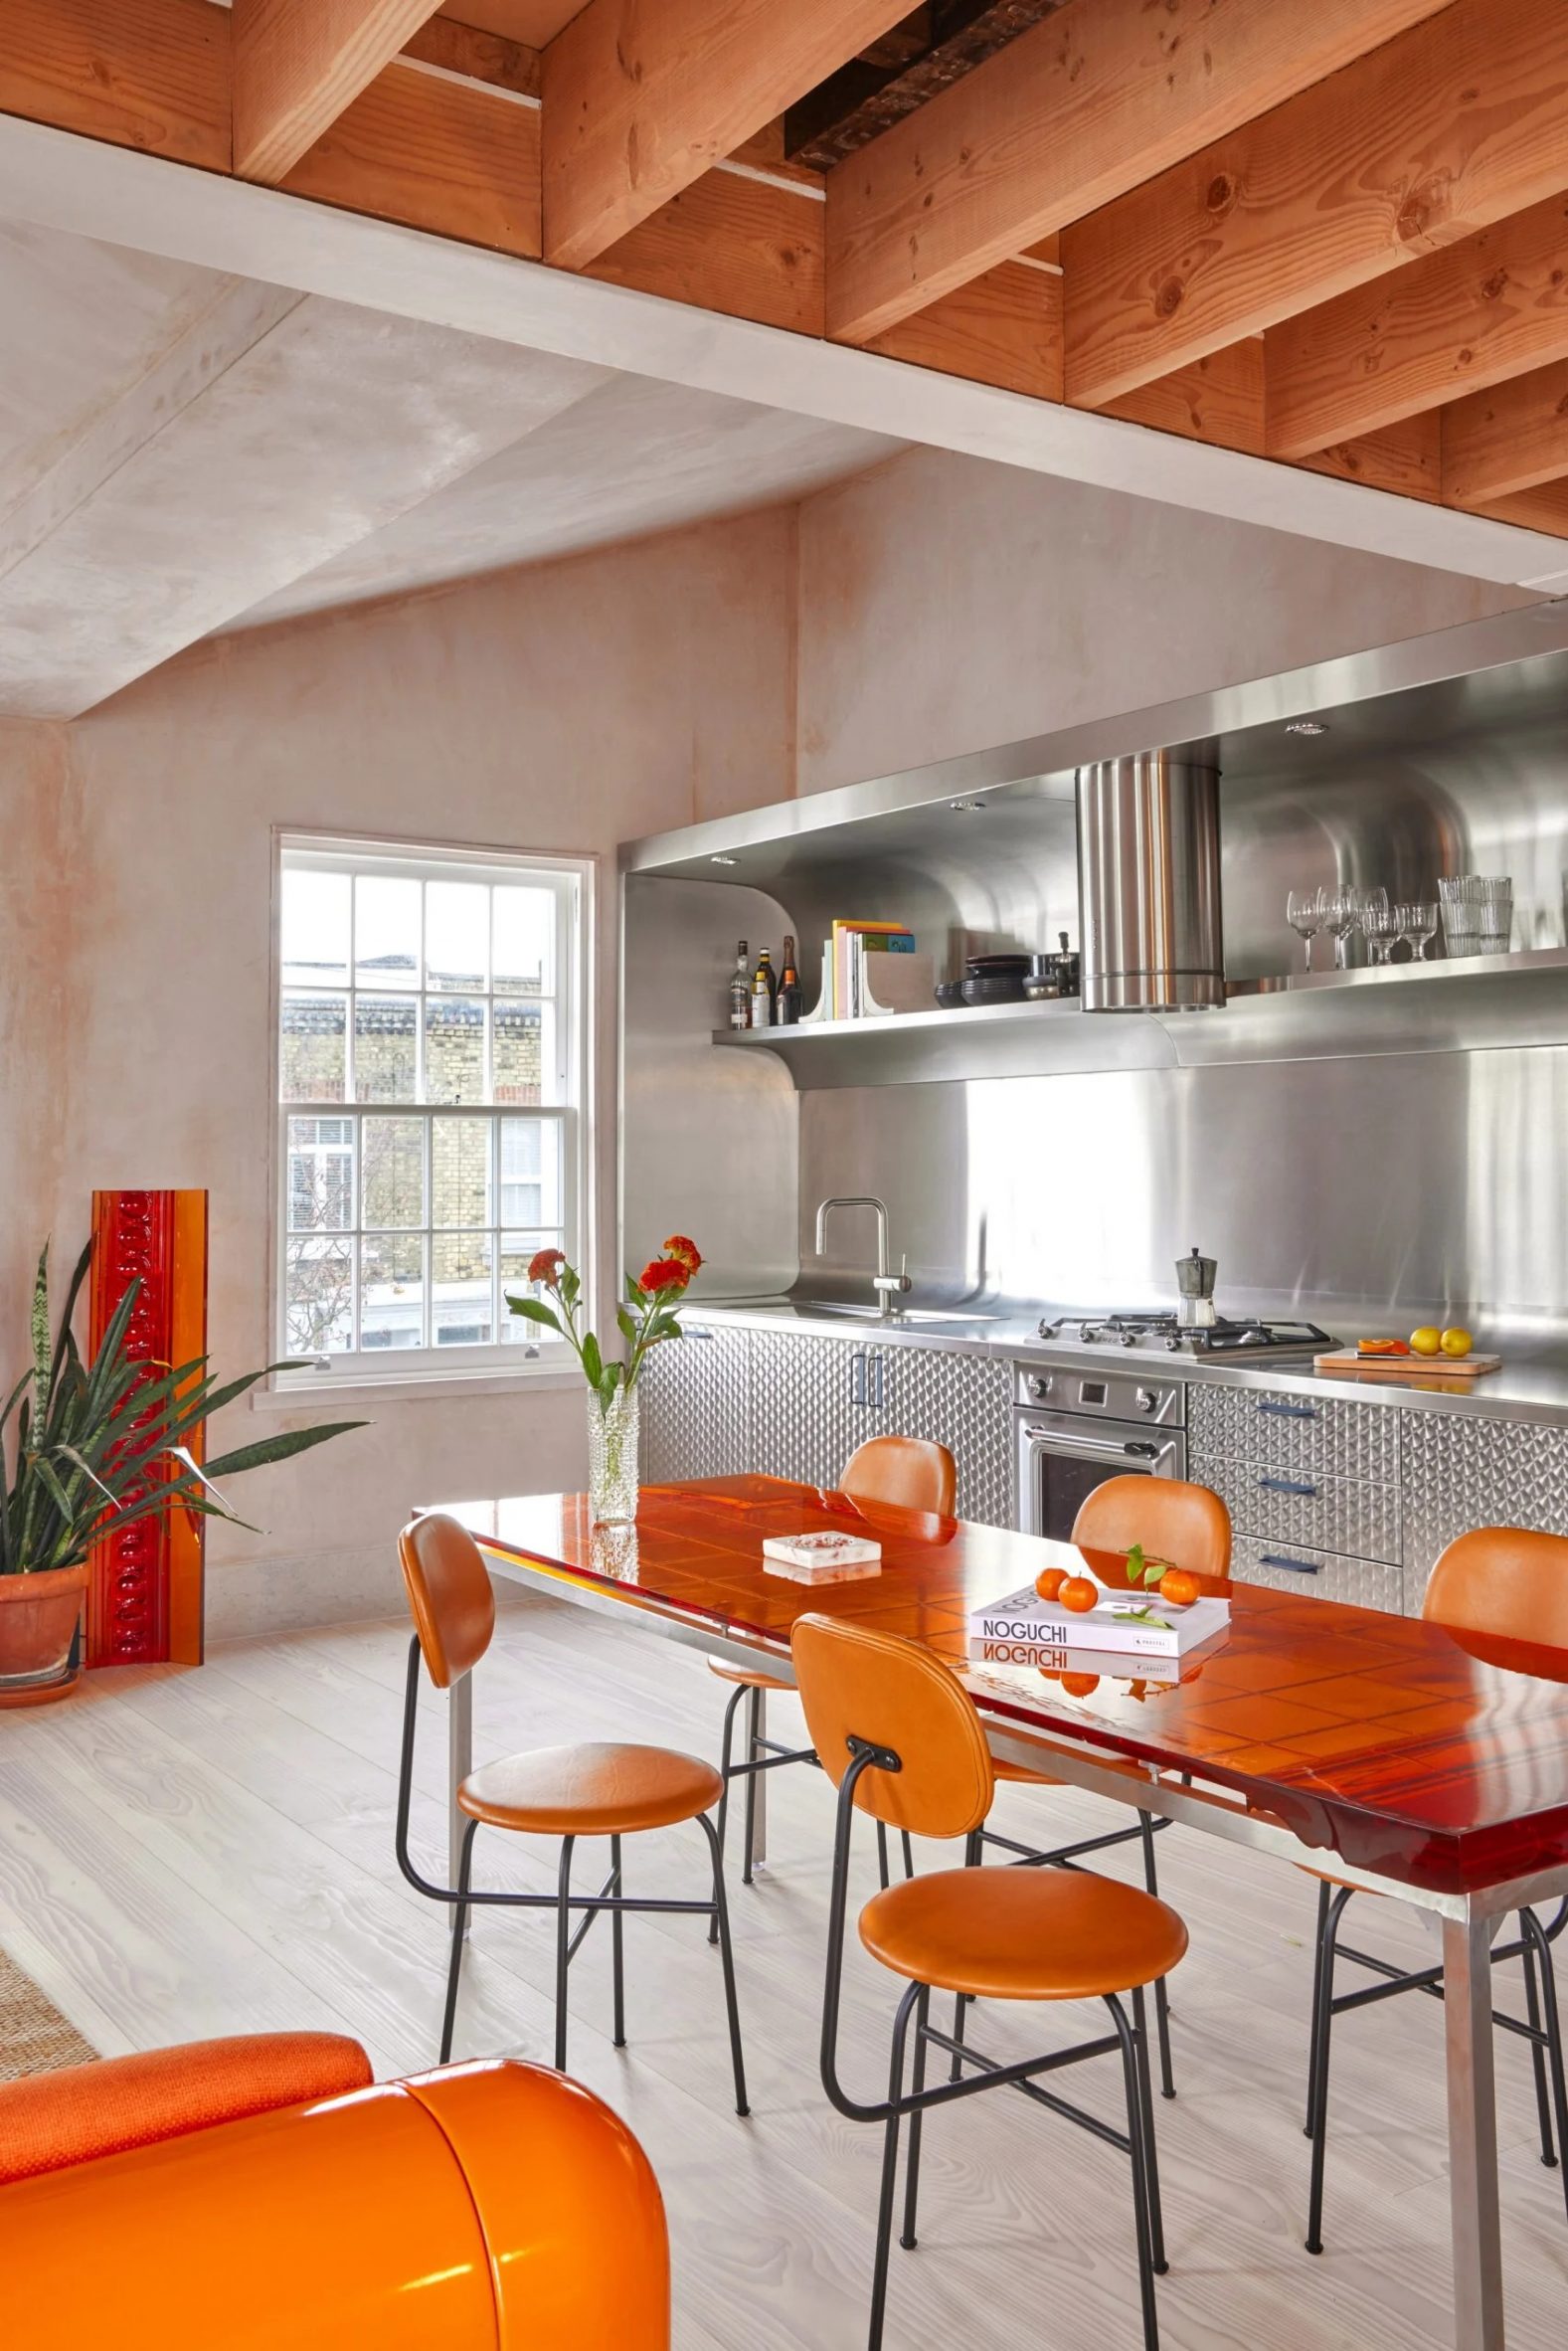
{"x": 962, "y": 807}
{"x": 1307, "y": 726}
{"x": 716, "y": 860}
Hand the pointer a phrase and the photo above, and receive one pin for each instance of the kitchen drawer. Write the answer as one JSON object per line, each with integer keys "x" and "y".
{"x": 1466, "y": 1471}
{"x": 696, "y": 1407}
{"x": 1300, "y": 1432}
{"x": 964, "y": 1402}
{"x": 1320, "y": 1575}
{"x": 1300, "y": 1506}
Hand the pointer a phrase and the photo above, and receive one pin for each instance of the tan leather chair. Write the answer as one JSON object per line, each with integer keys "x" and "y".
{"x": 903, "y": 1473}
{"x": 899, "y": 1736}
{"x": 1498, "y": 1585}
{"x": 261, "y": 2191}
{"x": 606, "y": 1789}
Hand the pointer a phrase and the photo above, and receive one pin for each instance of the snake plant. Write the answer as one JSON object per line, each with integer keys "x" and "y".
{"x": 97, "y": 1446}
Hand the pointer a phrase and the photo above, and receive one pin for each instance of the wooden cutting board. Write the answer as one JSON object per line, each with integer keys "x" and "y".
{"x": 1345, "y": 1361}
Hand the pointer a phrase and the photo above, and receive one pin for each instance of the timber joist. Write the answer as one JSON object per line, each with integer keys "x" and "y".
{"x": 1334, "y": 236}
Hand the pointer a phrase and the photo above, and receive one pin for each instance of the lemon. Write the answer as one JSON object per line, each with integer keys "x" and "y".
{"x": 1457, "y": 1342}
{"x": 1426, "y": 1340}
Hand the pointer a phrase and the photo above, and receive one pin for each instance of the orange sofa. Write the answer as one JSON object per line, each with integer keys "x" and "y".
{"x": 266, "y": 2191}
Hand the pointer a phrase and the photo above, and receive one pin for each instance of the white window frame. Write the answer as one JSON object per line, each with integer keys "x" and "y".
{"x": 530, "y": 1357}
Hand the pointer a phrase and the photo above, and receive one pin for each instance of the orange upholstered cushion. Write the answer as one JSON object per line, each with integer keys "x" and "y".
{"x": 50, "y": 2120}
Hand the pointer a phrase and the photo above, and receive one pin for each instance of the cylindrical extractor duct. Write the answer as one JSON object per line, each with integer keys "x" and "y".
{"x": 1149, "y": 884}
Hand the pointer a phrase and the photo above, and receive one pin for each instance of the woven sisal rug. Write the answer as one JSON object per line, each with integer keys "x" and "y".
{"x": 34, "y": 2037}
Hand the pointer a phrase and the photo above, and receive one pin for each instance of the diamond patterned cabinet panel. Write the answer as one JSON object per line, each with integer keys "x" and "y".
{"x": 696, "y": 1407}
{"x": 1321, "y": 1576}
{"x": 1461, "y": 1473}
{"x": 1293, "y": 1506}
{"x": 964, "y": 1402}
{"x": 805, "y": 1419}
{"x": 1297, "y": 1432}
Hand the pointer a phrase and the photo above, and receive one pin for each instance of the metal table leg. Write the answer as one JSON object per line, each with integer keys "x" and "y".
{"x": 1473, "y": 2135}
{"x": 459, "y": 1762}
{"x": 758, "y": 1786}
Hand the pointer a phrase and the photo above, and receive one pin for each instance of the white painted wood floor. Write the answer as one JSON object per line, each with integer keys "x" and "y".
{"x": 184, "y": 1854}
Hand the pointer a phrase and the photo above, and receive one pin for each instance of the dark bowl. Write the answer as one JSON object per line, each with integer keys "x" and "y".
{"x": 1007, "y": 990}
{"x": 997, "y": 966}
{"x": 949, "y": 995}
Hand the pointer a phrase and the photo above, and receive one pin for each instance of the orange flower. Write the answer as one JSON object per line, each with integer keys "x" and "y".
{"x": 688, "y": 1252}
{"x": 544, "y": 1265}
{"x": 665, "y": 1273}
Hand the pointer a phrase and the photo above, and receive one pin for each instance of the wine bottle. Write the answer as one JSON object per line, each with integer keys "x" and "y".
{"x": 788, "y": 1008}
{"x": 741, "y": 988}
{"x": 764, "y": 984}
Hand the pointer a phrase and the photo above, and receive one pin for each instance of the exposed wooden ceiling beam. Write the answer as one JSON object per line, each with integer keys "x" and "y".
{"x": 138, "y": 76}
{"x": 1452, "y": 322}
{"x": 1089, "y": 104}
{"x": 640, "y": 101}
{"x": 1436, "y": 134}
{"x": 1004, "y": 329}
{"x": 1509, "y": 439}
{"x": 1544, "y": 508}
{"x": 298, "y": 64}
{"x": 476, "y": 54}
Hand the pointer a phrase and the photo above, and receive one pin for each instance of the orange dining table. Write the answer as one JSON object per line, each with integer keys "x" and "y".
{"x": 1407, "y": 1759}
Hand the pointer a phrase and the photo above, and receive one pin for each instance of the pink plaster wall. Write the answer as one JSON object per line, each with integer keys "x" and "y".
{"x": 37, "y": 1015}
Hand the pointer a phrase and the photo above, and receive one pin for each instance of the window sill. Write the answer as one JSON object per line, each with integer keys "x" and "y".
{"x": 299, "y": 1396}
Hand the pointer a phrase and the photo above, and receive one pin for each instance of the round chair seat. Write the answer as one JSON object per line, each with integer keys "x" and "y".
{"x": 748, "y": 1676}
{"x": 597, "y": 1790}
{"x": 1022, "y": 1934}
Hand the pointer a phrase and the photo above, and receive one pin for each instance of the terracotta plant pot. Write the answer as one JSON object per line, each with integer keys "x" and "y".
{"x": 37, "y": 1622}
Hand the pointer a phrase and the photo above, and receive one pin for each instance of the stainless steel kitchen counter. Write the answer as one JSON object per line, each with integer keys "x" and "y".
{"x": 1527, "y": 1388}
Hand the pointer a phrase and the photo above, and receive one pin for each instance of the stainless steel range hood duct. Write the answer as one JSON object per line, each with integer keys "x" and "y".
{"x": 1149, "y": 884}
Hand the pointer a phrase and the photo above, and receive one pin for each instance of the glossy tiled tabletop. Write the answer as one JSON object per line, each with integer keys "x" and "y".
{"x": 1431, "y": 1758}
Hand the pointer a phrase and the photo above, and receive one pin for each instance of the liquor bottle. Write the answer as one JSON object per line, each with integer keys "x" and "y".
{"x": 763, "y": 985}
{"x": 786, "y": 1011}
{"x": 741, "y": 988}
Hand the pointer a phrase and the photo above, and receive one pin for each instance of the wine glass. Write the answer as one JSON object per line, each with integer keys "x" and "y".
{"x": 1364, "y": 897}
{"x": 1303, "y": 911}
{"x": 1417, "y": 924}
{"x": 1341, "y": 914}
{"x": 1380, "y": 924}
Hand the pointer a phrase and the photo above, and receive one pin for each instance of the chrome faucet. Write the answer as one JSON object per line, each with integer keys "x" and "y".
{"x": 888, "y": 1286}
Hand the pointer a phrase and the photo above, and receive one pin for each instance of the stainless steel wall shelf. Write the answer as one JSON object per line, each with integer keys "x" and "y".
{"x": 1484, "y": 1002}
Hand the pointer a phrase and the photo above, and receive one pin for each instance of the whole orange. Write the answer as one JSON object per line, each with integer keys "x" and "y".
{"x": 1079, "y": 1595}
{"x": 1080, "y": 1685}
{"x": 1178, "y": 1588}
{"x": 1049, "y": 1582}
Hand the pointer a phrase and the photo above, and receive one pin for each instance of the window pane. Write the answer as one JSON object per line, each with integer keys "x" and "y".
{"x": 394, "y": 1170}
{"x": 385, "y": 1049}
{"x": 386, "y": 932}
{"x": 321, "y": 1174}
{"x": 392, "y": 1288}
{"x": 517, "y": 1250}
{"x": 454, "y": 1049}
{"x": 318, "y": 1297}
{"x": 518, "y": 1044}
{"x": 314, "y": 930}
{"x": 460, "y": 1171}
{"x": 456, "y": 934}
{"x": 525, "y": 924}
{"x": 461, "y": 1307}
{"x": 311, "y": 1066}
{"x": 531, "y": 1172}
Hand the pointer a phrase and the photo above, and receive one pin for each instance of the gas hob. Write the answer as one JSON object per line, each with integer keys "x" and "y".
{"x": 1166, "y": 1333}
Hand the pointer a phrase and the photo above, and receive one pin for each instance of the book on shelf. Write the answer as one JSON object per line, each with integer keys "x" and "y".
{"x": 1124, "y": 1623}
{"x": 821, "y": 1559}
{"x": 852, "y": 942}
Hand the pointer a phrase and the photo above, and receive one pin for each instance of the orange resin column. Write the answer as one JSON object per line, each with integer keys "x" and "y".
{"x": 144, "y": 1602}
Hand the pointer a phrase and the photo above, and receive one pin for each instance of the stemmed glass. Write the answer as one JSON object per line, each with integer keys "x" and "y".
{"x": 1341, "y": 914}
{"x": 1417, "y": 924}
{"x": 1380, "y": 924}
{"x": 1304, "y": 911}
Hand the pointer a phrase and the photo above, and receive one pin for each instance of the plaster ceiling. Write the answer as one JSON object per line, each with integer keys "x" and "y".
{"x": 183, "y": 452}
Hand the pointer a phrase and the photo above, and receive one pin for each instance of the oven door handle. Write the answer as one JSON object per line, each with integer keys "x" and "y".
{"x": 1109, "y": 1448}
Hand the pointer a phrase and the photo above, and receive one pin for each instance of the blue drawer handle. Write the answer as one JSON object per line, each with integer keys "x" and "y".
{"x": 1296, "y": 1567}
{"x": 1285, "y": 1486}
{"x": 1291, "y": 1412}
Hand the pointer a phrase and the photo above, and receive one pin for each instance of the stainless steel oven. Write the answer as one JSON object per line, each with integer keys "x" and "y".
{"x": 1075, "y": 1427}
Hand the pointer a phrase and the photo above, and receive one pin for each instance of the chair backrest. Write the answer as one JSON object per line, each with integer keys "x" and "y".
{"x": 449, "y": 1596}
{"x": 1185, "y": 1524}
{"x": 1510, "y": 1582}
{"x": 913, "y": 1473}
{"x": 892, "y": 1693}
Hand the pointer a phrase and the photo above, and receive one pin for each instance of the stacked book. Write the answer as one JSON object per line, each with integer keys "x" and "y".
{"x": 1022, "y": 1629}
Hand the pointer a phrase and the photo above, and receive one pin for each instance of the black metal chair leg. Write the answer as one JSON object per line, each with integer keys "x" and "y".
{"x": 754, "y": 1731}
{"x": 1532, "y": 2011}
{"x": 1167, "y": 2080}
{"x": 1156, "y": 2216}
{"x": 911, "y": 2160}
{"x": 1324, "y": 1892}
{"x": 617, "y": 1956}
{"x": 909, "y": 1853}
{"x": 725, "y": 1753}
{"x": 879, "y": 2281}
{"x": 727, "y": 1955}
{"x": 1141, "y": 2171}
{"x": 974, "y": 1858}
{"x": 562, "y": 1948}
{"x": 1317, "y": 2096}
{"x": 459, "y": 1937}
{"x": 883, "y": 1871}
{"x": 1551, "y": 2019}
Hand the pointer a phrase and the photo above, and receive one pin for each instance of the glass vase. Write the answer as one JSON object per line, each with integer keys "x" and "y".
{"x": 613, "y": 1457}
